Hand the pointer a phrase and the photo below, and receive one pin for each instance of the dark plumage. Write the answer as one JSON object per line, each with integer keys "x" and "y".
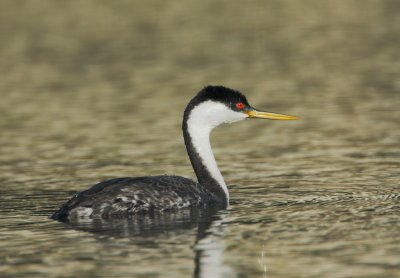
{"x": 220, "y": 94}
{"x": 127, "y": 196}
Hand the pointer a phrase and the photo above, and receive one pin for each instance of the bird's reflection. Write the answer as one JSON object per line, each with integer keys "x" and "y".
{"x": 208, "y": 247}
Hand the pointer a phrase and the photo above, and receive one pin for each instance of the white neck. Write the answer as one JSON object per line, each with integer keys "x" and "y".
{"x": 202, "y": 119}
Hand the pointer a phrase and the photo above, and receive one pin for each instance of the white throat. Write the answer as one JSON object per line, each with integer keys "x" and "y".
{"x": 202, "y": 119}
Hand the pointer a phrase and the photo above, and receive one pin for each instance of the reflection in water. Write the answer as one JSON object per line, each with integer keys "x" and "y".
{"x": 145, "y": 225}
{"x": 208, "y": 247}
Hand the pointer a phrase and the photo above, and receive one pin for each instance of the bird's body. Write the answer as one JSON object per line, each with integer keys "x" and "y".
{"x": 122, "y": 197}
{"x": 129, "y": 196}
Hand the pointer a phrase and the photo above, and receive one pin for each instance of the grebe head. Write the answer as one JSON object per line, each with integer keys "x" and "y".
{"x": 215, "y": 105}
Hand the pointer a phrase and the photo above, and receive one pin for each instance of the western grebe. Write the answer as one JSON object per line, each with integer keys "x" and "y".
{"x": 118, "y": 197}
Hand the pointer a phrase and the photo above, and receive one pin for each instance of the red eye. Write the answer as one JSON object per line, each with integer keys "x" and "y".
{"x": 240, "y": 105}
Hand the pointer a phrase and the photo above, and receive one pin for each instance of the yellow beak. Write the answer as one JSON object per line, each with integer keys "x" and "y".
{"x": 271, "y": 116}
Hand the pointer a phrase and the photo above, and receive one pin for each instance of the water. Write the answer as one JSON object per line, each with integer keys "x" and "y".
{"x": 96, "y": 90}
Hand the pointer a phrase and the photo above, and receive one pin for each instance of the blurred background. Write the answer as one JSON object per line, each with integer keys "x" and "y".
{"x": 91, "y": 90}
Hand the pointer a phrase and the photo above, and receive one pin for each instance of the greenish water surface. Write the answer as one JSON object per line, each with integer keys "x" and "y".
{"x": 91, "y": 90}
